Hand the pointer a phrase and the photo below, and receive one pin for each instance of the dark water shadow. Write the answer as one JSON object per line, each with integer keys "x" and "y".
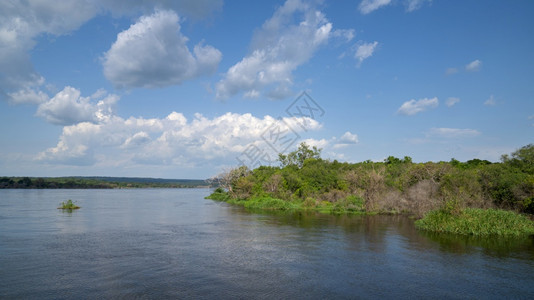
{"x": 500, "y": 247}
{"x": 374, "y": 228}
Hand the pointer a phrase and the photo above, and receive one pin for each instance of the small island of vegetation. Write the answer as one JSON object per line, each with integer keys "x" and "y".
{"x": 68, "y": 205}
{"x": 476, "y": 197}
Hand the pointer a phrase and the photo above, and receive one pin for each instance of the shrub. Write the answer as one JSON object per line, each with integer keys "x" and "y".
{"x": 68, "y": 205}
{"x": 219, "y": 195}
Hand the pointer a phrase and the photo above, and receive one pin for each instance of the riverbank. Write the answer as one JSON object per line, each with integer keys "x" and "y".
{"x": 350, "y": 205}
{"x": 305, "y": 181}
{"x": 468, "y": 221}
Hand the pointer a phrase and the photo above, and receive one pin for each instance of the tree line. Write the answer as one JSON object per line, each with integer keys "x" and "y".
{"x": 396, "y": 185}
{"x": 94, "y": 183}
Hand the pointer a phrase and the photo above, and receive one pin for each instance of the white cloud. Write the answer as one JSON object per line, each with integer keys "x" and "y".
{"x": 347, "y": 34}
{"x": 172, "y": 140}
{"x": 413, "y": 107}
{"x": 68, "y": 107}
{"x": 284, "y": 42}
{"x": 349, "y": 138}
{"x": 453, "y": 132}
{"x": 27, "y": 95}
{"x": 20, "y": 23}
{"x": 321, "y": 144}
{"x": 364, "y": 51}
{"x": 368, "y": 6}
{"x": 473, "y": 66}
{"x": 451, "y": 101}
{"x": 346, "y": 139}
{"x": 153, "y": 53}
{"x": 138, "y": 139}
{"x": 412, "y": 5}
{"x": 491, "y": 101}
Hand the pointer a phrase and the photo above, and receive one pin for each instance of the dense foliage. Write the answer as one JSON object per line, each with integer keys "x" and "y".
{"x": 396, "y": 185}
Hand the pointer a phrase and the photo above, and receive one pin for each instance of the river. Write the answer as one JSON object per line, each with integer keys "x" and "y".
{"x": 173, "y": 243}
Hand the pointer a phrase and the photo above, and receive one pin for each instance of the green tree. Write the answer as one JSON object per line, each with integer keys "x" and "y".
{"x": 523, "y": 159}
{"x": 298, "y": 157}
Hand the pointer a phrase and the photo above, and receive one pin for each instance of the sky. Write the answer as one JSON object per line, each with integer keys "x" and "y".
{"x": 187, "y": 89}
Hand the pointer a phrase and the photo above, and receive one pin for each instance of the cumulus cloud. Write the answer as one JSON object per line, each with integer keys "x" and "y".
{"x": 320, "y": 144}
{"x": 368, "y": 6}
{"x": 173, "y": 140}
{"x": 68, "y": 107}
{"x": 28, "y": 95}
{"x": 349, "y": 138}
{"x": 153, "y": 53}
{"x": 452, "y": 132}
{"x": 364, "y": 51}
{"x": 473, "y": 66}
{"x": 20, "y": 23}
{"x": 413, "y": 107}
{"x": 346, "y": 139}
{"x": 284, "y": 42}
{"x": 451, "y": 101}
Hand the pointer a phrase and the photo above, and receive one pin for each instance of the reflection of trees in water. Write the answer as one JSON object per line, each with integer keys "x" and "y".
{"x": 519, "y": 247}
{"x": 372, "y": 233}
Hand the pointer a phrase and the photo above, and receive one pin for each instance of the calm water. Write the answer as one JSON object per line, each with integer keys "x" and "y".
{"x": 172, "y": 243}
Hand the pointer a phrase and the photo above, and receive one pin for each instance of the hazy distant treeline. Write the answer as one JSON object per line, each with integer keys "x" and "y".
{"x": 95, "y": 183}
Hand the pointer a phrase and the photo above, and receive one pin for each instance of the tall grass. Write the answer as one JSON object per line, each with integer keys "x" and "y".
{"x": 270, "y": 204}
{"x": 479, "y": 222}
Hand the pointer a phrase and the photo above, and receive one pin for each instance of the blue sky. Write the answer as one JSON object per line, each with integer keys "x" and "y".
{"x": 185, "y": 89}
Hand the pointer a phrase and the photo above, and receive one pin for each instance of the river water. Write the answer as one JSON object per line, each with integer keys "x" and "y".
{"x": 173, "y": 243}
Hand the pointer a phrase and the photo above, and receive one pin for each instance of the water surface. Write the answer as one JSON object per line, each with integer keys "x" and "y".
{"x": 172, "y": 243}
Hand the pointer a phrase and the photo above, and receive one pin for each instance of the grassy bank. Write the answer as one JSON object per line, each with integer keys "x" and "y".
{"x": 351, "y": 205}
{"x": 469, "y": 221}
{"x": 479, "y": 222}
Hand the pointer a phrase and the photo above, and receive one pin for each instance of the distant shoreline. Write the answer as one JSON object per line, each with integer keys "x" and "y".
{"x": 93, "y": 182}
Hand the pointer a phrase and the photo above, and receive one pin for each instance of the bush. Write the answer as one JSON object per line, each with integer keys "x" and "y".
{"x": 68, "y": 205}
{"x": 219, "y": 195}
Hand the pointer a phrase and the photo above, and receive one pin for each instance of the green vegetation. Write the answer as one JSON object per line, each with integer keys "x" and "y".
{"x": 473, "y": 221}
{"x": 68, "y": 205}
{"x": 305, "y": 181}
{"x": 96, "y": 183}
